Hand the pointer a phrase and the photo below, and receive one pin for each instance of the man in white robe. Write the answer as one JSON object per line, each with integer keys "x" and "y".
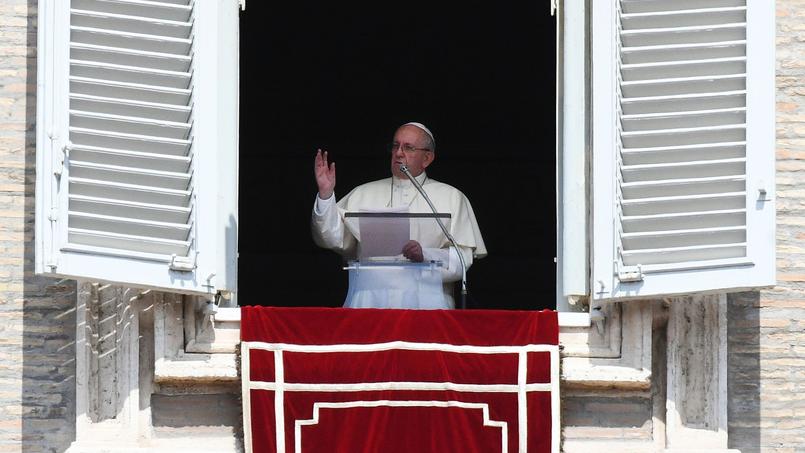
{"x": 414, "y": 146}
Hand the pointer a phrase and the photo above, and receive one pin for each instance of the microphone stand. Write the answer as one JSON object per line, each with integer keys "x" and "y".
{"x": 404, "y": 169}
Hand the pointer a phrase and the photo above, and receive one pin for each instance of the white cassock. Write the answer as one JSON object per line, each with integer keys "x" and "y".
{"x": 329, "y": 231}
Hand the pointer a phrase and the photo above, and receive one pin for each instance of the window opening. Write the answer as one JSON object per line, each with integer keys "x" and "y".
{"x": 343, "y": 76}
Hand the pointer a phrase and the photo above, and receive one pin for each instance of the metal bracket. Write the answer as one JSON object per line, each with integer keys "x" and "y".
{"x": 629, "y": 274}
{"x": 762, "y": 193}
{"x": 184, "y": 263}
{"x": 598, "y": 318}
{"x": 242, "y": 5}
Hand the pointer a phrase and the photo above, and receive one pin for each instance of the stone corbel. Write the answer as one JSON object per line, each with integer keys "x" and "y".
{"x": 617, "y": 356}
{"x": 191, "y": 346}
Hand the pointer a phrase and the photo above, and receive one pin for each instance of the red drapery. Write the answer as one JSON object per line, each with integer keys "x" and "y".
{"x": 366, "y": 380}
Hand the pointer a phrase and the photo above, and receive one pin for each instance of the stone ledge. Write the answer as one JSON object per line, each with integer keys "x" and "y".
{"x": 581, "y": 373}
{"x": 614, "y": 446}
{"x": 197, "y": 368}
{"x": 700, "y": 450}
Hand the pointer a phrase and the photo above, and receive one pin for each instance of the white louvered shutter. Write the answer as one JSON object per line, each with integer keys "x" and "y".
{"x": 137, "y": 142}
{"x": 683, "y": 146}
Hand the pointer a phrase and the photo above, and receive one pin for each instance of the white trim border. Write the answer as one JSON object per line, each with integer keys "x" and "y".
{"x": 393, "y": 403}
{"x": 279, "y": 386}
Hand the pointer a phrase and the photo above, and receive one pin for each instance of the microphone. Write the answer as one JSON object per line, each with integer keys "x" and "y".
{"x": 404, "y": 169}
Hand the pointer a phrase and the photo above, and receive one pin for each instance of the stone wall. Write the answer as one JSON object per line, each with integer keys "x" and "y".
{"x": 767, "y": 329}
{"x": 37, "y": 321}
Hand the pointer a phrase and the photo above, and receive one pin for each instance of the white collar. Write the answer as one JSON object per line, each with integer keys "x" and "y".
{"x": 401, "y": 183}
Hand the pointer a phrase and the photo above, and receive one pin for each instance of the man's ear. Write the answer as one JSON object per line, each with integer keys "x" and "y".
{"x": 430, "y": 156}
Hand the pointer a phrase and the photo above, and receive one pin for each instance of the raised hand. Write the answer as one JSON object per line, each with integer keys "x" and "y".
{"x": 413, "y": 251}
{"x": 325, "y": 175}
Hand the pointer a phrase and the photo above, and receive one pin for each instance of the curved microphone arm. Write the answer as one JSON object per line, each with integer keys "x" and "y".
{"x": 404, "y": 169}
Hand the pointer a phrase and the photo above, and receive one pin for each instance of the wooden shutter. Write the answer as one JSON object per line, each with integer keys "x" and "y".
{"x": 136, "y": 129}
{"x": 683, "y": 146}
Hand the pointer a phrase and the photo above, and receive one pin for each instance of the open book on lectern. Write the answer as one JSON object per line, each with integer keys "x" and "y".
{"x": 382, "y": 233}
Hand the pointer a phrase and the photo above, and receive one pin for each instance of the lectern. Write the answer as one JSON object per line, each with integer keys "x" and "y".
{"x": 381, "y": 277}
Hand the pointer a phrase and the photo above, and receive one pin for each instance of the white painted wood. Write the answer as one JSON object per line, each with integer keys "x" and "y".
{"x": 572, "y": 249}
{"x": 683, "y": 147}
{"x": 568, "y": 319}
{"x": 137, "y": 143}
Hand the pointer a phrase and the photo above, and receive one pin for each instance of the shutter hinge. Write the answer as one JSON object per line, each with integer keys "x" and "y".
{"x": 65, "y": 152}
{"x": 242, "y": 5}
{"x": 184, "y": 263}
{"x": 629, "y": 274}
{"x": 553, "y": 7}
{"x": 53, "y": 215}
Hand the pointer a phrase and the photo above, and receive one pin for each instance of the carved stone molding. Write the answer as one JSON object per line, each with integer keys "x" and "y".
{"x": 696, "y": 406}
{"x": 108, "y": 369}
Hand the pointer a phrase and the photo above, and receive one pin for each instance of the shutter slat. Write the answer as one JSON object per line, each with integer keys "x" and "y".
{"x": 684, "y": 35}
{"x": 130, "y": 175}
{"x": 688, "y": 68}
{"x": 131, "y": 74}
{"x": 167, "y": 145}
{"x": 139, "y": 8}
{"x": 129, "y": 226}
{"x": 684, "y": 254}
{"x": 111, "y": 156}
{"x": 120, "y": 56}
{"x": 683, "y": 203}
{"x": 684, "y": 119}
{"x": 101, "y": 139}
{"x": 689, "y": 85}
{"x": 643, "y": 6}
{"x": 129, "y": 192}
{"x": 128, "y": 242}
{"x": 116, "y": 106}
{"x": 130, "y": 24}
{"x": 683, "y": 52}
{"x": 688, "y": 220}
{"x": 684, "y": 186}
{"x": 124, "y": 208}
{"x": 683, "y": 102}
{"x": 666, "y": 154}
{"x": 130, "y": 91}
{"x": 129, "y": 125}
{"x": 688, "y": 17}
{"x": 133, "y": 41}
{"x": 683, "y": 169}
{"x": 683, "y": 136}
{"x": 683, "y": 238}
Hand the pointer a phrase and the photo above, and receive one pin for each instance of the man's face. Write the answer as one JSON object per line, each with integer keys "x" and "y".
{"x": 418, "y": 159}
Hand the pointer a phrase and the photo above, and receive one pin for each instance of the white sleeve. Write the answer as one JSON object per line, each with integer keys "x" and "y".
{"x": 327, "y": 226}
{"x": 451, "y": 267}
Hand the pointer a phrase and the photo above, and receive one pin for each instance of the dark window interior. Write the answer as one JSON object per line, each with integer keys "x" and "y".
{"x": 342, "y": 76}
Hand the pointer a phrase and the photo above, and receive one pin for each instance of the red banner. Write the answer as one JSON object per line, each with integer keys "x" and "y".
{"x": 366, "y": 380}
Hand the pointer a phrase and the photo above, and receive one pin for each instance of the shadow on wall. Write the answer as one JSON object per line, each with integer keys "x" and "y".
{"x": 48, "y": 310}
{"x": 743, "y": 371}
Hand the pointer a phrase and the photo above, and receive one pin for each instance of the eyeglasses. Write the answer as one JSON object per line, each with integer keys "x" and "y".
{"x": 407, "y": 148}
